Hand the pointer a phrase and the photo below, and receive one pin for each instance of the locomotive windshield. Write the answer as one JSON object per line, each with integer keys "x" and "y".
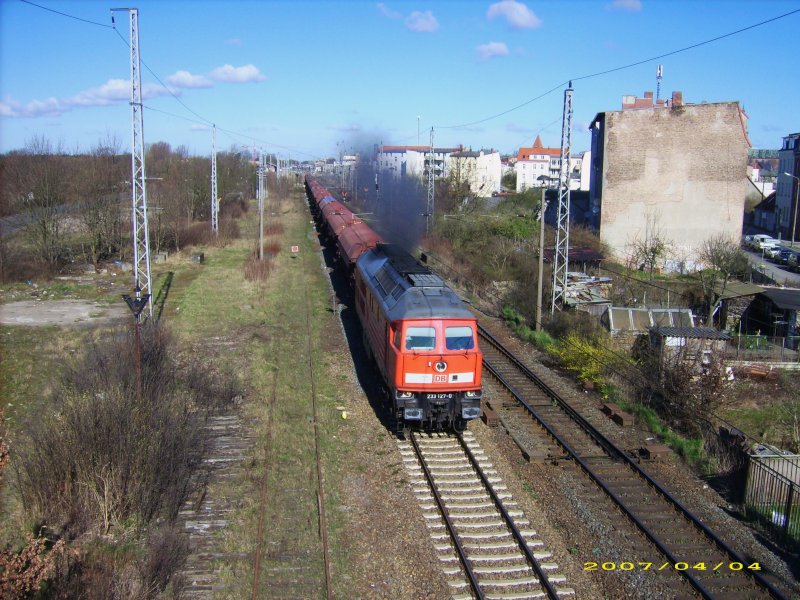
{"x": 459, "y": 338}
{"x": 420, "y": 338}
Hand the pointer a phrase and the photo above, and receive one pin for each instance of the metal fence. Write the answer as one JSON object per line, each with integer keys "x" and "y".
{"x": 772, "y": 493}
{"x": 763, "y": 348}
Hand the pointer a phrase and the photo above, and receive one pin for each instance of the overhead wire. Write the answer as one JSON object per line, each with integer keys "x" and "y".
{"x": 635, "y": 374}
{"x": 63, "y": 14}
{"x": 621, "y": 68}
{"x": 203, "y": 120}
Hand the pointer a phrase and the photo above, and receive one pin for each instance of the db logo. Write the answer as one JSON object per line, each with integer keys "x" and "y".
{"x": 440, "y": 379}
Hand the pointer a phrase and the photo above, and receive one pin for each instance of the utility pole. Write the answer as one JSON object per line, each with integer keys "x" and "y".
{"x": 141, "y": 236}
{"x": 214, "y": 198}
{"x": 431, "y": 190}
{"x": 540, "y": 277}
{"x": 561, "y": 255}
{"x": 262, "y": 194}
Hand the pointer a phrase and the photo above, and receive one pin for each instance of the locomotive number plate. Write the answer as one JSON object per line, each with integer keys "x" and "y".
{"x": 438, "y": 396}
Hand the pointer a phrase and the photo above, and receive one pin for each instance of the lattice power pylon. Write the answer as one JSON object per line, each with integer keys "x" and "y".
{"x": 141, "y": 236}
{"x": 561, "y": 255}
{"x": 431, "y": 190}
{"x": 214, "y": 196}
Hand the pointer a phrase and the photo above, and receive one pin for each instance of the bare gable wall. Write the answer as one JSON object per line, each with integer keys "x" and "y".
{"x": 682, "y": 168}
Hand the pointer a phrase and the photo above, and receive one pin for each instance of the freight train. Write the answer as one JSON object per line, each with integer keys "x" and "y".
{"x": 418, "y": 332}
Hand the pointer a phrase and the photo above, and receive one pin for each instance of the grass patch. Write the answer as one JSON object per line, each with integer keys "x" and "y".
{"x": 692, "y": 450}
{"x": 541, "y": 339}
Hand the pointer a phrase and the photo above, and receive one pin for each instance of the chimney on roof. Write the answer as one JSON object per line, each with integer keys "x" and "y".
{"x": 648, "y": 95}
{"x": 677, "y": 99}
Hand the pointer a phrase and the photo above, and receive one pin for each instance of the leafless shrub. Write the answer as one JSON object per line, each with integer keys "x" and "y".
{"x": 257, "y": 270}
{"x": 228, "y": 229}
{"x": 273, "y": 229}
{"x": 108, "y": 454}
{"x": 197, "y": 234}
{"x": 167, "y": 551}
{"x": 574, "y": 321}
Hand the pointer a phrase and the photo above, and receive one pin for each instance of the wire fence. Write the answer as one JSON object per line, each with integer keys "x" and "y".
{"x": 763, "y": 348}
{"x": 772, "y": 494}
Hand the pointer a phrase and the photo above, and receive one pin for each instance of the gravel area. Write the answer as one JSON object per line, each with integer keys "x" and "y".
{"x": 565, "y": 495}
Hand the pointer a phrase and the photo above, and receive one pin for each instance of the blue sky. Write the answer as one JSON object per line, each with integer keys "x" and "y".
{"x": 304, "y": 78}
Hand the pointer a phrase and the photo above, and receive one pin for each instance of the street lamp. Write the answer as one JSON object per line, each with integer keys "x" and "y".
{"x": 796, "y": 190}
{"x": 545, "y": 179}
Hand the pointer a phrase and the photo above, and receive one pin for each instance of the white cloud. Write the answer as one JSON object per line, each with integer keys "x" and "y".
{"x": 199, "y": 128}
{"x": 490, "y": 50}
{"x": 35, "y": 108}
{"x": 518, "y": 15}
{"x": 113, "y": 90}
{"x": 184, "y": 79}
{"x": 234, "y": 42}
{"x": 422, "y": 22}
{"x": 632, "y": 5}
{"x": 231, "y": 74}
{"x": 116, "y": 91}
{"x": 387, "y": 12}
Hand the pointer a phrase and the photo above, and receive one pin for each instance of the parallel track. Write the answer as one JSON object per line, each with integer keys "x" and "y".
{"x": 679, "y": 536}
{"x": 487, "y": 545}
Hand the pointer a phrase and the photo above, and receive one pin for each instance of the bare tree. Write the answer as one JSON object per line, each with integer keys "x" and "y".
{"x": 647, "y": 252}
{"x": 723, "y": 260}
{"x": 100, "y": 209}
{"x": 39, "y": 185}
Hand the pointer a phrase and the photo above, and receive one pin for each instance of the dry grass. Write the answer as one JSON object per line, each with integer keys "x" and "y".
{"x": 257, "y": 270}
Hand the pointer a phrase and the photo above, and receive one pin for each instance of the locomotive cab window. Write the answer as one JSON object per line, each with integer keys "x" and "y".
{"x": 459, "y": 338}
{"x": 420, "y": 338}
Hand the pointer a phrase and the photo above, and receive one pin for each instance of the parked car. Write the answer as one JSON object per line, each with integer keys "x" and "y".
{"x": 783, "y": 255}
{"x": 766, "y": 243}
{"x": 755, "y": 240}
{"x": 774, "y": 252}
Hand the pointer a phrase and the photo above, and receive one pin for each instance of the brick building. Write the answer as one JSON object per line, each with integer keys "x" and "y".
{"x": 678, "y": 168}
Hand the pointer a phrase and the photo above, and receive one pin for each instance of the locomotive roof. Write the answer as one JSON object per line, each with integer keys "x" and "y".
{"x": 407, "y": 288}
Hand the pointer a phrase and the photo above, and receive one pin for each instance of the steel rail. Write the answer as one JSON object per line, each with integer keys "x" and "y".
{"x": 615, "y": 452}
{"x": 451, "y": 528}
{"x": 323, "y": 522}
{"x": 264, "y": 488}
{"x": 552, "y": 593}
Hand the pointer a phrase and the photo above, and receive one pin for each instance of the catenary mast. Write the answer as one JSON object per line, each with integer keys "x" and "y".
{"x": 561, "y": 255}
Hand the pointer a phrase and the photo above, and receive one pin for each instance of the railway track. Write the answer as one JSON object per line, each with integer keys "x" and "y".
{"x": 291, "y": 557}
{"x": 686, "y": 545}
{"x": 487, "y": 546}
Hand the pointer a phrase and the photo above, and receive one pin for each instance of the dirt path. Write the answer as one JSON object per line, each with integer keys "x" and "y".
{"x": 66, "y": 313}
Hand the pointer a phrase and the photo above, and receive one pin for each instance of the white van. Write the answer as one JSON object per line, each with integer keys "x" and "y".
{"x": 756, "y": 240}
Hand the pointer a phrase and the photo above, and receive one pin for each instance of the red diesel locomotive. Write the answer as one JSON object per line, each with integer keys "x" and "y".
{"x": 419, "y": 333}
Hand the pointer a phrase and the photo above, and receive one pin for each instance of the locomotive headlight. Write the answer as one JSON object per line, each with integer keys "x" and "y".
{"x": 472, "y": 394}
{"x": 405, "y": 394}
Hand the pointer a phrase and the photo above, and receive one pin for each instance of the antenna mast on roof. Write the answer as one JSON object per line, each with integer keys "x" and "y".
{"x": 659, "y": 73}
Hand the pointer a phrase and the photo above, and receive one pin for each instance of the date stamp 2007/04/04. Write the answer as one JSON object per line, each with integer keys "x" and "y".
{"x": 678, "y": 566}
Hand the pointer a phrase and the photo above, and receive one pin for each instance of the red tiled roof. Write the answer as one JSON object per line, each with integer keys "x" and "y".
{"x": 537, "y": 149}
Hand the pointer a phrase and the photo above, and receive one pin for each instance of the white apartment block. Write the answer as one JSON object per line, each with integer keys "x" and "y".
{"x": 411, "y": 161}
{"x": 538, "y": 162}
{"x": 481, "y": 170}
